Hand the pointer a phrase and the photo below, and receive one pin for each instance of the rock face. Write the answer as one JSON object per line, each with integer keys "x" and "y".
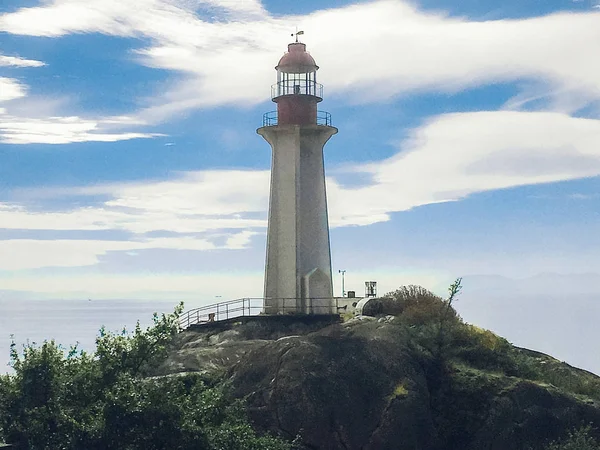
{"x": 363, "y": 385}
{"x": 335, "y": 388}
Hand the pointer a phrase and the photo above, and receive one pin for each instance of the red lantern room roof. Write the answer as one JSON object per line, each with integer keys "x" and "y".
{"x": 297, "y": 60}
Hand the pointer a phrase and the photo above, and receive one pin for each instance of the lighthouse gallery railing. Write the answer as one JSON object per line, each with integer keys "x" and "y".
{"x": 270, "y": 118}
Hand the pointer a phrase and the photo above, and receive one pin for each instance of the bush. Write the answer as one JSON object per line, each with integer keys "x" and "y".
{"x": 482, "y": 349}
{"x": 104, "y": 401}
{"x": 415, "y": 304}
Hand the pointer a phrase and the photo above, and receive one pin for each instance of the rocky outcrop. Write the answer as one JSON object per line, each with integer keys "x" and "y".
{"x": 362, "y": 385}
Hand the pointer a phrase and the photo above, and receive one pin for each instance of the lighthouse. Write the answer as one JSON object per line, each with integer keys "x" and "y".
{"x": 298, "y": 264}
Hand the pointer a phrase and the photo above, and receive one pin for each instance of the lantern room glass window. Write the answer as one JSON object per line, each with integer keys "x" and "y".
{"x": 290, "y": 83}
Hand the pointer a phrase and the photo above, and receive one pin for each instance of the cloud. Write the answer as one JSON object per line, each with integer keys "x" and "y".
{"x": 112, "y": 17}
{"x": 240, "y": 240}
{"x": 20, "y": 127}
{"x": 11, "y": 89}
{"x": 19, "y": 254}
{"x": 446, "y": 159}
{"x": 25, "y": 254}
{"x": 62, "y": 130}
{"x": 198, "y": 211}
{"x": 397, "y": 49}
{"x": 16, "y": 61}
{"x": 456, "y": 155}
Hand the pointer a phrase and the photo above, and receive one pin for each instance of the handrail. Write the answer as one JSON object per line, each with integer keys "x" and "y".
{"x": 270, "y": 118}
{"x": 241, "y": 307}
{"x": 215, "y": 312}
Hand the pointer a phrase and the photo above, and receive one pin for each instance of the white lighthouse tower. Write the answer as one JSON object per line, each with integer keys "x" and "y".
{"x": 298, "y": 266}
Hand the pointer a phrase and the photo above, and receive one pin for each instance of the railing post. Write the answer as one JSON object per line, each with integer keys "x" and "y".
{"x": 226, "y": 311}
{"x": 217, "y": 315}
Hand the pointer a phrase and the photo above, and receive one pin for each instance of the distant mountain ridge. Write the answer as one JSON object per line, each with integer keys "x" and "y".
{"x": 543, "y": 283}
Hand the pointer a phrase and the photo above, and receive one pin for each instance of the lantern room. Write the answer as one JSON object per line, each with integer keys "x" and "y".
{"x": 297, "y": 74}
{"x": 297, "y": 91}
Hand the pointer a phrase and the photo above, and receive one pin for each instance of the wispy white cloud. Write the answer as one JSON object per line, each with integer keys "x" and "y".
{"x": 455, "y": 155}
{"x": 202, "y": 211}
{"x": 398, "y": 48}
{"x": 63, "y": 130}
{"x": 11, "y": 89}
{"x": 447, "y": 159}
{"x": 20, "y": 254}
{"x": 226, "y": 60}
{"x": 25, "y": 126}
{"x": 135, "y": 18}
{"x": 16, "y": 61}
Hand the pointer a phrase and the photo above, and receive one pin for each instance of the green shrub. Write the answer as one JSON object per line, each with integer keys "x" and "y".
{"x": 104, "y": 401}
{"x": 415, "y": 304}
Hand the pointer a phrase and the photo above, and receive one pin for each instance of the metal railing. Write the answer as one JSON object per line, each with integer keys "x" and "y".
{"x": 323, "y": 118}
{"x": 244, "y": 307}
{"x": 270, "y": 118}
{"x": 297, "y": 87}
{"x": 222, "y": 311}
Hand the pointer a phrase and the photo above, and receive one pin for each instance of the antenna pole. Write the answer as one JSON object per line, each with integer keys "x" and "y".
{"x": 343, "y": 272}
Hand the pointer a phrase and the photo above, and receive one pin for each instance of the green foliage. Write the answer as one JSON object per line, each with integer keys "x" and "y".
{"x": 580, "y": 439}
{"x": 484, "y": 350}
{"x": 439, "y": 337}
{"x": 415, "y": 304}
{"x": 399, "y": 391}
{"x": 429, "y": 319}
{"x": 104, "y": 401}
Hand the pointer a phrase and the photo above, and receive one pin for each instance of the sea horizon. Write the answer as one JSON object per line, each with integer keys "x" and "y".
{"x": 72, "y": 322}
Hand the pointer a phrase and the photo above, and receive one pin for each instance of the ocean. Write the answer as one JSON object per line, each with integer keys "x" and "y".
{"x": 564, "y": 326}
{"x": 69, "y": 322}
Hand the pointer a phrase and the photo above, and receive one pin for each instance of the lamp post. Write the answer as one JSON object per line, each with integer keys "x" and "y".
{"x": 343, "y": 272}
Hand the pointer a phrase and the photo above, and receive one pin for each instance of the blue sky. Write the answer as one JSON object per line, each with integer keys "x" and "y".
{"x": 130, "y": 166}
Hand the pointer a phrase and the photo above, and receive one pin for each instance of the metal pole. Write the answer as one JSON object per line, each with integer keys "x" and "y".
{"x": 343, "y": 272}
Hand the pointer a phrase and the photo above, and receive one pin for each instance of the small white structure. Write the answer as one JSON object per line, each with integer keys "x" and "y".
{"x": 358, "y": 309}
{"x": 298, "y": 266}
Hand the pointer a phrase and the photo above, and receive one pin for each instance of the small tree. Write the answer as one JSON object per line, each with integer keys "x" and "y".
{"x": 446, "y": 317}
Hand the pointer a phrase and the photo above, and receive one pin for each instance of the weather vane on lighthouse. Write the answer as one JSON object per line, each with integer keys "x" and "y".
{"x": 298, "y": 266}
{"x": 297, "y": 33}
